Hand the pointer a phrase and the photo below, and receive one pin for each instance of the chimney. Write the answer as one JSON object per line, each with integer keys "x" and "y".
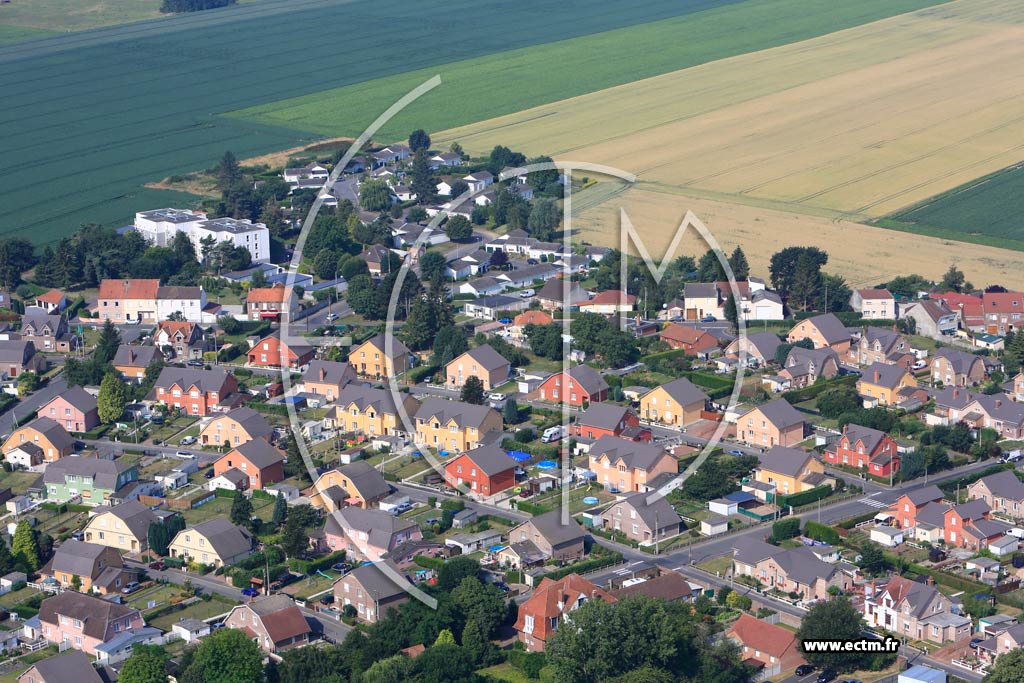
{"x": 930, "y": 581}
{"x": 999, "y": 402}
{"x": 323, "y": 373}
{"x": 131, "y": 355}
{"x": 878, "y": 375}
{"x": 956, "y": 392}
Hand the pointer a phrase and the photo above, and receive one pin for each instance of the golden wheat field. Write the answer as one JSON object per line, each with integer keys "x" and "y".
{"x": 854, "y": 124}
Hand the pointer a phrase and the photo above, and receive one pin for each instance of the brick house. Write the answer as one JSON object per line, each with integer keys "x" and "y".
{"x": 274, "y": 352}
{"x": 679, "y": 402}
{"x": 268, "y": 303}
{"x": 776, "y": 423}
{"x": 132, "y": 360}
{"x": 907, "y": 506}
{"x": 85, "y": 622}
{"x": 71, "y": 666}
{"x": 129, "y": 300}
{"x": 863, "y": 447}
{"x": 368, "y": 534}
{"x": 797, "y": 570}
{"x": 46, "y": 434}
{"x": 75, "y": 409}
{"x": 579, "y": 385}
{"x": 455, "y": 426}
{"x": 771, "y": 646}
{"x": 236, "y": 427}
{"x": 261, "y": 463}
{"x": 550, "y": 539}
{"x": 371, "y": 591}
{"x": 877, "y": 345}
{"x": 960, "y": 525}
{"x": 98, "y": 568}
{"x": 914, "y": 610}
{"x": 1002, "y": 491}
{"x": 995, "y": 411}
{"x": 803, "y": 366}
{"x": 486, "y": 470}
{"x": 956, "y": 368}
{"x": 692, "y": 341}
{"x": 623, "y": 465}
{"x": 48, "y": 332}
{"x": 882, "y": 383}
{"x": 18, "y": 356}
{"x": 327, "y": 378}
{"x": 607, "y": 419}
{"x": 874, "y": 304}
{"x": 539, "y": 617}
{"x": 822, "y": 330}
{"x": 186, "y": 340}
{"x": 1002, "y": 311}
{"x": 641, "y": 520}
{"x": 193, "y": 391}
{"x": 482, "y": 362}
{"x": 275, "y": 622}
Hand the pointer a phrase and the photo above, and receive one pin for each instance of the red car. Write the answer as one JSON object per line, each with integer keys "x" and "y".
{"x": 158, "y": 565}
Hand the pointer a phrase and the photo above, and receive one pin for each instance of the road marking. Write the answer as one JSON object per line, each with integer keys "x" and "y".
{"x": 874, "y": 503}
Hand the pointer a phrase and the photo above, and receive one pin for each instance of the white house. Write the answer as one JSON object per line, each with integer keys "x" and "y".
{"x": 189, "y": 301}
{"x": 160, "y": 225}
{"x": 479, "y": 180}
{"x": 255, "y": 237}
{"x": 888, "y": 536}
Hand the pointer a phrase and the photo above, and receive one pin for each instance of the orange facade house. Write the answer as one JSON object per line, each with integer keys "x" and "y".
{"x": 261, "y": 463}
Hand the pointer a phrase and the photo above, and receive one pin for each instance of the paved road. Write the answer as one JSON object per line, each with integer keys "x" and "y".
{"x": 30, "y": 404}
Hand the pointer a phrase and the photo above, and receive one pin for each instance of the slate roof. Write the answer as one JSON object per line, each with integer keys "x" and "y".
{"x": 883, "y": 375}
{"x": 669, "y": 586}
{"x": 633, "y": 454}
{"x": 375, "y": 582}
{"x": 251, "y": 421}
{"x": 871, "y": 438}
{"x": 464, "y": 414}
{"x": 136, "y": 516}
{"x": 973, "y": 509}
{"x": 1004, "y": 485}
{"x": 380, "y": 526}
{"x": 226, "y": 539}
{"x": 486, "y": 357}
{"x": 780, "y": 413}
{"x": 603, "y": 415}
{"x": 259, "y": 453}
{"x": 94, "y": 613}
{"x": 657, "y": 514}
{"x": 831, "y": 328}
{"x": 960, "y": 361}
{"x": 104, "y": 473}
{"x": 683, "y": 391}
{"x": 72, "y": 666}
{"x": 364, "y": 397}
{"x": 924, "y": 495}
{"x": 490, "y": 459}
{"x": 281, "y": 617}
{"x": 16, "y": 351}
{"x": 54, "y": 433}
{"x": 787, "y": 461}
{"x": 366, "y": 479}
{"x": 76, "y": 557}
{"x": 379, "y": 342}
{"x": 588, "y": 378}
{"x": 765, "y": 342}
{"x": 78, "y": 398}
{"x": 186, "y": 378}
{"x": 550, "y": 526}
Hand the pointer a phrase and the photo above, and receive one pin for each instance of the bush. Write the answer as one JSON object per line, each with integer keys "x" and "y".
{"x": 804, "y": 497}
{"x": 821, "y": 532}
{"x": 426, "y": 562}
{"x": 525, "y": 435}
{"x": 785, "y": 528}
{"x": 585, "y": 566}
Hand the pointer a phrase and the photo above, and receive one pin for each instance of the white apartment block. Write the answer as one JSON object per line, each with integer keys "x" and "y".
{"x": 160, "y": 225}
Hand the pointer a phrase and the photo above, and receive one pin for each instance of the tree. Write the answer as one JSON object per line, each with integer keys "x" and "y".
{"x": 25, "y": 546}
{"x": 709, "y": 268}
{"x": 148, "y": 664}
{"x": 419, "y": 140}
{"x": 423, "y": 183}
{"x": 872, "y": 559}
{"x": 374, "y": 195}
{"x": 226, "y": 656}
{"x": 806, "y": 282}
{"x": 106, "y": 345}
{"x": 280, "y": 508}
{"x": 480, "y": 602}
{"x": 454, "y": 571}
{"x": 833, "y": 294}
{"x": 834, "y": 402}
{"x": 953, "y": 280}
{"x": 112, "y": 399}
{"x": 738, "y": 263}
{"x": 458, "y": 228}
{"x": 783, "y": 266}
{"x": 511, "y": 412}
{"x": 28, "y": 382}
{"x": 395, "y": 669}
{"x": 544, "y": 219}
{"x": 229, "y": 172}
{"x": 445, "y": 637}
{"x": 16, "y": 256}
{"x": 730, "y": 311}
{"x": 241, "y": 510}
{"x": 295, "y": 538}
{"x": 1009, "y": 668}
{"x": 433, "y": 265}
{"x": 158, "y": 538}
{"x": 841, "y": 621}
{"x": 473, "y": 391}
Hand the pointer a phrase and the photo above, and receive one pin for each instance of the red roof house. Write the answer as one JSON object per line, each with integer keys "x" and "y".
{"x": 863, "y": 447}
{"x": 772, "y": 647}
{"x": 273, "y": 352}
{"x": 541, "y": 615}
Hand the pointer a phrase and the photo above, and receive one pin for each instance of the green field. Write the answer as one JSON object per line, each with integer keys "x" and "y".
{"x": 13, "y": 34}
{"x": 560, "y": 70}
{"x": 75, "y": 15}
{"x": 88, "y": 118}
{"x": 987, "y": 211}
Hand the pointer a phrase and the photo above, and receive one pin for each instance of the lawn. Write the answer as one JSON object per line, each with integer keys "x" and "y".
{"x": 17, "y": 481}
{"x": 41, "y": 17}
{"x": 14, "y": 34}
{"x": 25, "y": 662}
{"x": 505, "y": 672}
{"x": 221, "y": 507}
{"x": 158, "y": 594}
{"x": 202, "y": 610}
{"x": 717, "y": 565}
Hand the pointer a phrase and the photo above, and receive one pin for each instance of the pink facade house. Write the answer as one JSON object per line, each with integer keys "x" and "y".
{"x": 75, "y": 410}
{"x": 85, "y": 622}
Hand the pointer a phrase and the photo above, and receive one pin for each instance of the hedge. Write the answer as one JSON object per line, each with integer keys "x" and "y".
{"x": 821, "y": 532}
{"x": 854, "y": 521}
{"x": 804, "y": 497}
{"x": 590, "y": 565}
{"x": 428, "y": 562}
{"x": 807, "y": 393}
{"x": 950, "y": 580}
{"x": 950, "y": 485}
{"x": 312, "y": 566}
{"x": 785, "y": 528}
{"x": 532, "y": 508}
{"x": 416, "y": 375}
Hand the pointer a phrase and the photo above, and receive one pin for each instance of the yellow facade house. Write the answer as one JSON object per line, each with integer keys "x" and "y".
{"x": 371, "y": 412}
{"x": 371, "y": 358}
{"x": 455, "y": 426}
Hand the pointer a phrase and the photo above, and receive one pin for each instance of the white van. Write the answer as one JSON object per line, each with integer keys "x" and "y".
{"x": 526, "y": 293}
{"x": 554, "y": 434}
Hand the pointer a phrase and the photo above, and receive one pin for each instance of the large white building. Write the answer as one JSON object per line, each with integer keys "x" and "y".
{"x": 160, "y": 225}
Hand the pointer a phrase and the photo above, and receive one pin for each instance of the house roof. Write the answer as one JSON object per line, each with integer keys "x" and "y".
{"x": 234, "y": 476}
{"x": 487, "y": 358}
{"x": 749, "y": 550}
{"x": 94, "y": 613}
{"x": 173, "y": 327}
{"x": 683, "y": 391}
{"x": 280, "y": 616}
{"x": 76, "y": 557}
{"x": 973, "y": 509}
{"x": 72, "y": 666}
{"x": 171, "y": 292}
{"x": 933, "y": 309}
{"x": 780, "y": 413}
{"x": 588, "y": 378}
{"x": 669, "y": 586}
{"x": 787, "y": 461}
{"x": 104, "y": 473}
{"x": 830, "y": 327}
{"x": 764, "y": 342}
{"x": 79, "y": 398}
{"x": 550, "y": 526}
{"x": 364, "y": 397}
{"x": 551, "y": 599}
{"x": 656, "y": 514}
{"x": 870, "y": 438}
{"x": 532, "y": 318}
{"x": 684, "y": 334}
{"x": 136, "y": 516}
{"x": 604, "y": 415}
{"x": 204, "y": 380}
{"x": 251, "y": 421}
{"x": 917, "y": 595}
{"x": 884, "y": 375}
{"x": 379, "y": 526}
{"x": 762, "y": 636}
{"x": 553, "y": 291}
{"x": 52, "y": 297}
{"x": 135, "y": 356}
{"x": 261, "y": 295}
{"x": 700, "y": 290}
{"x": 611, "y": 297}
{"x": 40, "y": 320}
{"x": 1004, "y": 484}
{"x": 129, "y": 289}
{"x": 16, "y": 350}
{"x": 960, "y": 361}
{"x": 633, "y": 454}
{"x": 226, "y": 539}
{"x": 53, "y": 432}
{"x": 924, "y": 495}
{"x": 875, "y": 294}
{"x": 375, "y": 582}
{"x": 365, "y": 477}
{"x": 463, "y": 414}
{"x": 329, "y": 372}
{"x": 258, "y": 452}
{"x": 490, "y": 459}
{"x": 380, "y": 343}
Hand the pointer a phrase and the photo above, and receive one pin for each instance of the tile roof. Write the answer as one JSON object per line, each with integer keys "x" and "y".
{"x": 669, "y": 586}
{"x": 532, "y": 318}
{"x": 761, "y": 636}
{"x": 684, "y": 334}
{"x": 611, "y": 296}
{"x": 280, "y": 616}
{"x": 72, "y": 666}
{"x": 259, "y": 453}
{"x": 875, "y": 294}
{"x": 1004, "y": 485}
{"x": 788, "y": 461}
{"x": 273, "y": 294}
{"x": 552, "y": 599}
{"x": 226, "y": 539}
{"x": 129, "y": 289}
{"x": 780, "y": 413}
{"x": 463, "y": 414}
{"x": 604, "y": 415}
{"x": 633, "y": 454}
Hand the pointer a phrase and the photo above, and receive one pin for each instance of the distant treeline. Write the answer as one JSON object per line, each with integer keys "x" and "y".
{"x": 175, "y": 6}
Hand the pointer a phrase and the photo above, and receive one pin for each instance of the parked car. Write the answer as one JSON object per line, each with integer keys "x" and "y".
{"x": 804, "y": 670}
{"x": 827, "y": 675}
{"x": 975, "y": 642}
{"x": 158, "y": 565}
{"x": 185, "y": 455}
{"x": 920, "y": 364}
{"x": 217, "y": 625}
{"x": 209, "y": 473}
{"x": 708, "y": 319}
{"x": 196, "y": 363}
{"x": 327, "y": 599}
{"x": 497, "y": 397}
{"x": 402, "y": 508}
{"x": 342, "y": 567}
{"x": 736, "y": 451}
{"x": 187, "y": 440}
{"x": 250, "y": 592}
{"x": 851, "y": 680}
{"x": 130, "y": 587}
{"x": 331, "y": 317}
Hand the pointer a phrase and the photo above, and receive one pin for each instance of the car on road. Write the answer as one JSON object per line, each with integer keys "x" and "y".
{"x": 497, "y": 397}
{"x": 331, "y": 317}
{"x": 130, "y": 587}
{"x": 196, "y": 363}
{"x": 708, "y": 319}
{"x": 158, "y": 565}
{"x": 827, "y": 675}
{"x": 804, "y": 670}
{"x": 187, "y": 440}
{"x": 736, "y": 451}
{"x": 185, "y": 455}
{"x": 250, "y": 592}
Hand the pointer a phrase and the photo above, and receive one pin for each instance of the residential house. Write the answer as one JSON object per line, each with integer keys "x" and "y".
{"x": 392, "y": 154}
{"x": 194, "y": 391}
{"x": 372, "y": 591}
{"x": 495, "y": 307}
{"x": 310, "y": 170}
{"x": 45, "y": 433}
{"x": 482, "y": 362}
{"x": 124, "y": 527}
{"x": 803, "y": 366}
{"x": 487, "y": 286}
{"x": 668, "y": 586}
{"x": 907, "y": 506}
{"x": 623, "y": 465}
{"x": 1009, "y": 636}
{"x": 184, "y": 301}
{"x": 608, "y": 419}
{"x": 98, "y": 568}
{"x": 823, "y": 330}
{"x": 274, "y": 352}
{"x": 535, "y": 317}
{"x": 547, "y": 537}
{"x": 551, "y": 604}
{"x": 216, "y": 543}
{"x": 692, "y": 341}
{"x": 257, "y": 459}
{"x": 703, "y": 300}
{"x": 776, "y": 423}
{"x": 269, "y": 303}
{"x": 132, "y": 360}
{"x": 190, "y": 630}
{"x": 797, "y": 570}
{"x": 609, "y": 302}
{"x": 456, "y": 426}
{"x": 51, "y": 302}
{"x": 580, "y": 385}
{"x": 874, "y": 304}
{"x": 380, "y": 357}
{"x": 1002, "y": 491}
{"x": 866, "y": 448}
{"x": 878, "y": 345}
{"x": 790, "y": 470}
{"x": 122, "y": 301}
{"x": 275, "y": 622}
{"x": 485, "y": 471}
{"x": 358, "y": 484}
{"x": 970, "y": 525}
{"x": 368, "y": 534}
{"x": 70, "y": 666}
{"x": 915, "y": 610}
{"x": 186, "y": 340}
{"x": 643, "y": 520}
{"x": 327, "y": 378}
{"x": 881, "y": 383}
{"x": 243, "y": 233}
{"x": 48, "y": 332}
{"x": 379, "y": 259}
{"x": 759, "y": 346}
{"x": 95, "y": 480}
{"x": 772, "y": 647}
{"x": 479, "y": 180}
{"x": 931, "y": 318}
{"x": 85, "y": 622}
{"x": 445, "y": 159}
{"x": 957, "y": 368}
{"x": 75, "y": 409}
{"x": 561, "y": 294}
{"x": 995, "y": 411}
{"x": 363, "y": 410}
{"x": 763, "y": 305}
{"x": 1002, "y": 311}
{"x": 235, "y": 427}
{"x": 18, "y": 356}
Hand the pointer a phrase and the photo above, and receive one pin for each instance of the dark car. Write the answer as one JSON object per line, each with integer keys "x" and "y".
{"x": 327, "y": 599}
{"x": 209, "y": 473}
{"x": 827, "y": 676}
{"x": 975, "y": 642}
{"x": 804, "y": 670}
{"x": 250, "y": 592}
{"x": 342, "y": 567}
{"x": 158, "y": 565}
